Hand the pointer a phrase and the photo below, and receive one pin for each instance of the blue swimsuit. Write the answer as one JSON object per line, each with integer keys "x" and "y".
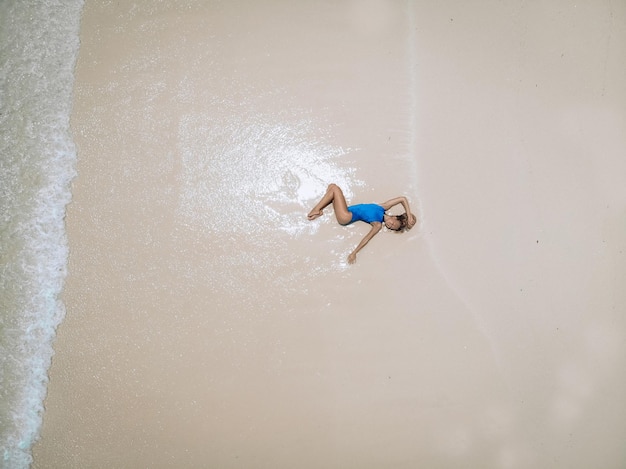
{"x": 367, "y": 213}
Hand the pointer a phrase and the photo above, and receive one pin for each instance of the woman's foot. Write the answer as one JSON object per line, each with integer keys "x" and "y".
{"x": 314, "y": 214}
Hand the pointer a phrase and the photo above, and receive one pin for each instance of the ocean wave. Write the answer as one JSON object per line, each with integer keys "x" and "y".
{"x": 38, "y": 49}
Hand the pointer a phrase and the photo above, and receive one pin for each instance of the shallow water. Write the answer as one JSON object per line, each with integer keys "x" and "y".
{"x": 38, "y": 49}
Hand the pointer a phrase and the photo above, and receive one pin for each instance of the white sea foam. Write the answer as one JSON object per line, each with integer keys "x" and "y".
{"x": 255, "y": 167}
{"x": 38, "y": 49}
{"x": 250, "y": 178}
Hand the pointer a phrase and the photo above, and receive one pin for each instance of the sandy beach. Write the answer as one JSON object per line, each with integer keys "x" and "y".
{"x": 209, "y": 324}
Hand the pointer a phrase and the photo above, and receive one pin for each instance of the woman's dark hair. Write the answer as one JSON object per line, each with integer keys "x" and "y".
{"x": 403, "y": 223}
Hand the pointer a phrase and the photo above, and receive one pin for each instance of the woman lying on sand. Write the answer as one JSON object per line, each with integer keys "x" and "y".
{"x": 374, "y": 214}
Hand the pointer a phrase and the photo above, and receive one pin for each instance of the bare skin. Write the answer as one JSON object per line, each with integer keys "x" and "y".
{"x": 334, "y": 195}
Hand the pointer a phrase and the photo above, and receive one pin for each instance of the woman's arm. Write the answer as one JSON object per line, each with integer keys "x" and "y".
{"x": 376, "y": 226}
{"x": 411, "y": 220}
{"x": 395, "y": 201}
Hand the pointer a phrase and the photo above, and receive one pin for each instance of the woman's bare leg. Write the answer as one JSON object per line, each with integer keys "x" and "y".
{"x": 335, "y": 196}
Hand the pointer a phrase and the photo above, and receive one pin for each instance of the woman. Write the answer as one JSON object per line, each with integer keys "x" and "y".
{"x": 374, "y": 214}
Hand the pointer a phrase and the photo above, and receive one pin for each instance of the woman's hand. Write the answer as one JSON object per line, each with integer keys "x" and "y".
{"x": 352, "y": 258}
{"x": 411, "y": 221}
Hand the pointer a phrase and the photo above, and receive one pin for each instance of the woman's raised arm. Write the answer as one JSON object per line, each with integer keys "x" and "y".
{"x": 411, "y": 220}
{"x": 395, "y": 201}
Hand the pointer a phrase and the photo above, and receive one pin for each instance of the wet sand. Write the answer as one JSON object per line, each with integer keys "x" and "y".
{"x": 492, "y": 335}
